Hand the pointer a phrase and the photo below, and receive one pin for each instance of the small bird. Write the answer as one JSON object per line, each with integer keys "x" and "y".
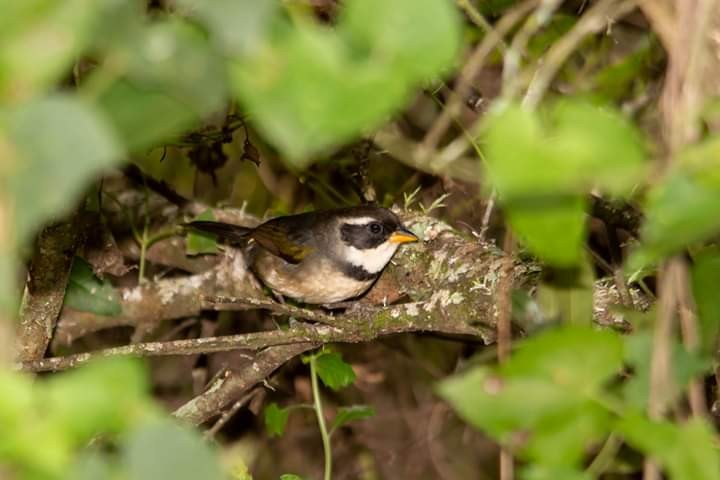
{"x": 320, "y": 257}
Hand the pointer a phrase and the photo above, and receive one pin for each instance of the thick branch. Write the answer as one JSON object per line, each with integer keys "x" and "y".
{"x": 45, "y": 287}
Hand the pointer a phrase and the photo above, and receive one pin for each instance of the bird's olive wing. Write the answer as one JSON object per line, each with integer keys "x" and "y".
{"x": 279, "y": 238}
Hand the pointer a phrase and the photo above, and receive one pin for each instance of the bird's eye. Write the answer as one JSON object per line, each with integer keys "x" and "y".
{"x": 375, "y": 228}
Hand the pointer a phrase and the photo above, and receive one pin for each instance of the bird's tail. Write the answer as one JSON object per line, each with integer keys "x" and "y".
{"x": 224, "y": 231}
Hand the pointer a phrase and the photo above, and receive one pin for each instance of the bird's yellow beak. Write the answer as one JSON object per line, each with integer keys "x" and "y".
{"x": 403, "y": 236}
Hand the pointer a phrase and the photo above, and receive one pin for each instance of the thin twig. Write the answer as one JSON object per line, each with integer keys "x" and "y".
{"x": 504, "y": 335}
{"x": 473, "y": 65}
{"x": 661, "y": 359}
{"x": 511, "y": 61}
{"x": 594, "y": 20}
{"x": 229, "y": 413}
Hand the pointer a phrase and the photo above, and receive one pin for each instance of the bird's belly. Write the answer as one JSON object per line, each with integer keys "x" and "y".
{"x": 324, "y": 283}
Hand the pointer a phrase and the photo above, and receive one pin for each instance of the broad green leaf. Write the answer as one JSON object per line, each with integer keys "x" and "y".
{"x": 350, "y": 414}
{"x": 310, "y": 87}
{"x": 685, "y": 451}
{"x": 541, "y": 472}
{"x": 40, "y": 41}
{"x": 333, "y": 371}
{"x": 174, "y": 79}
{"x": 237, "y": 25}
{"x": 560, "y": 420}
{"x": 166, "y": 450}
{"x": 419, "y": 37}
{"x": 275, "y": 419}
{"x": 60, "y": 145}
{"x": 290, "y": 476}
{"x": 561, "y": 371}
{"x": 576, "y": 357}
{"x": 567, "y": 295}
{"x": 87, "y": 293}
{"x": 638, "y": 354}
{"x": 107, "y": 396}
{"x": 543, "y": 164}
{"x": 538, "y": 226}
{"x": 684, "y": 209}
{"x": 705, "y": 279}
{"x": 198, "y": 242}
{"x": 306, "y": 95}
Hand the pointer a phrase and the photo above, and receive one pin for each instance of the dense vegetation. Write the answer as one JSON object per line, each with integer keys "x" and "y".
{"x": 558, "y": 159}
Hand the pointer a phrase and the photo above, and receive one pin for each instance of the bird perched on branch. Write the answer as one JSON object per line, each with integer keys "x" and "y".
{"x": 319, "y": 257}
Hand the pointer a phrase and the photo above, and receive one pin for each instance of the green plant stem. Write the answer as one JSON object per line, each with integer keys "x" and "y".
{"x": 321, "y": 420}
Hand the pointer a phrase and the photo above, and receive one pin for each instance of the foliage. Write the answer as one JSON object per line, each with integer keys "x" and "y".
{"x": 88, "y": 293}
{"x": 46, "y": 425}
{"x": 86, "y": 85}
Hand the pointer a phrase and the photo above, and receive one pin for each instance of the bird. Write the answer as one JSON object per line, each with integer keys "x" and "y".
{"x": 321, "y": 257}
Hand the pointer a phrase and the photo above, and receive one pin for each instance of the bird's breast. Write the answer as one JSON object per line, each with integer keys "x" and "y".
{"x": 316, "y": 280}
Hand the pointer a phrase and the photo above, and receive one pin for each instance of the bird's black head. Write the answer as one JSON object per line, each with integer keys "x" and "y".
{"x": 370, "y": 236}
{"x": 366, "y": 228}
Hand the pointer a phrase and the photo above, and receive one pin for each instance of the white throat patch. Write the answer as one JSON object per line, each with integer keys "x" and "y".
{"x": 371, "y": 260}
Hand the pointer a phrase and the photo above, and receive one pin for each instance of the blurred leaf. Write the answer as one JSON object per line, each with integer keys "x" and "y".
{"x": 92, "y": 466}
{"x": 333, "y": 371}
{"x": 554, "y": 232}
{"x": 87, "y": 293}
{"x": 198, "y": 242}
{"x": 310, "y": 88}
{"x": 570, "y": 302}
{"x": 49, "y": 135}
{"x": 237, "y": 25}
{"x": 40, "y": 41}
{"x": 684, "y": 208}
{"x": 638, "y": 354}
{"x": 539, "y": 472}
{"x": 578, "y": 357}
{"x": 165, "y": 450}
{"x": 106, "y": 396}
{"x": 174, "y": 79}
{"x": 350, "y": 414}
{"x": 275, "y": 419}
{"x": 686, "y": 451}
{"x": 290, "y": 476}
{"x": 416, "y": 37}
{"x": 548, "y": 162}
{"x": 705, "y": 279}
{"x": 560, "y": 371}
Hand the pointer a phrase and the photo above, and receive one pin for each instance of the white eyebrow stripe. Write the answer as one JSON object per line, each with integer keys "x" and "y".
{"x": 359, "y": 220}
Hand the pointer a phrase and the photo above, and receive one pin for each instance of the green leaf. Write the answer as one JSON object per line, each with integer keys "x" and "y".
{"x": 87, "y": 293}
{"x": 311, "y": 88}
{"x": 638, "y": 354}
{"x": 106, "y": 396}
{"x": 351, "y": 414}
{"x": 537, "y": 225}
{"x": 198, "y": 242}
{"x": 153, "y": 101}
{"x": 560, "y": 421}
{"x": 237, "y": 25}
{"x": 419, "y": 37}
{"x": 275, "y": 419}
{"x": 40, "y": 40}
{"x": 49, "y": 135}
{"x": 290, "y": 476}
{"x": 705, "y": 279}
{"x": 577, "y": 357}
{"x": 541, "y": 472}
{"x": 165, "y": 450}
{"x": 561, "y": 371}
{"x": 686, "y": 451}
{"x": 684, "y": 209}
{"x": 333, "y": 371}
{"x": 543, "y": 164}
